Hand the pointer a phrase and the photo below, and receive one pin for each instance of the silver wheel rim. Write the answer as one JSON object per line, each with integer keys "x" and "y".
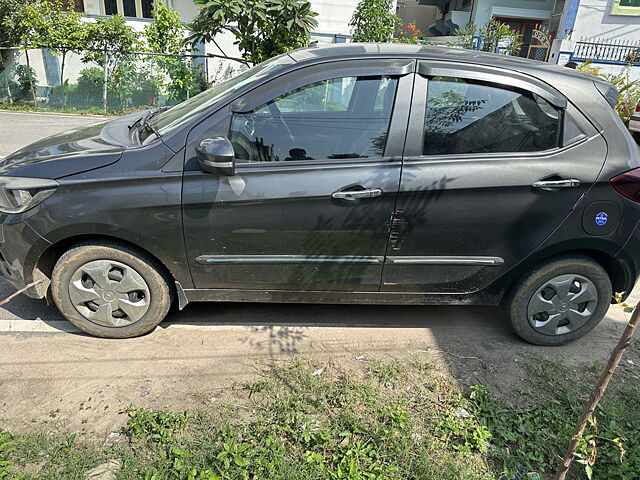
{"x": 562, "y": 305}
{"x": 109, "y": 293}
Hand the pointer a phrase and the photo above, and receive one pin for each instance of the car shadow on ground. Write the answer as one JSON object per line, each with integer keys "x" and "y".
{"x": 287, "y": 321}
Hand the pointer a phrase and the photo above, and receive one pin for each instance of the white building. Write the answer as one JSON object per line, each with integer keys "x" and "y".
{"x": 607, "y": 32}
{"x": 333, "y": 15}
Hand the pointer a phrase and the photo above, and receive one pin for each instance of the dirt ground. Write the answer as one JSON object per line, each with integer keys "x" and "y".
{"x": 207, "y": 351}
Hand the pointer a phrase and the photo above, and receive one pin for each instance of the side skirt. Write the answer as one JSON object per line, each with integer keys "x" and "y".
{"x": 368, "y": 298}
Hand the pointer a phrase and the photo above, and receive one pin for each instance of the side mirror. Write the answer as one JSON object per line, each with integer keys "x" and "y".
{"x": 215, "y": 155}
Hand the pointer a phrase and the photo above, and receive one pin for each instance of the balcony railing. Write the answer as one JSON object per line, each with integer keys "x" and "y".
{"x": 619, "y": 53}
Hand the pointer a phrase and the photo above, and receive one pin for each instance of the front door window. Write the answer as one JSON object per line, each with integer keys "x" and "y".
{"x": 339, "y": 118}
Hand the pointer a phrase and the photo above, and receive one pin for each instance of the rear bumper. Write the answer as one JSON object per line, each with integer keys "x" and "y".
{"x": 20, "y": 248}
{"x": 634, "y": 124}
{"x": 629, "y": 260}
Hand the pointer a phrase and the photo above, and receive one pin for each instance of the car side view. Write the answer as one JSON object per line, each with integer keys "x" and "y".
{"x": 353, "y": 173}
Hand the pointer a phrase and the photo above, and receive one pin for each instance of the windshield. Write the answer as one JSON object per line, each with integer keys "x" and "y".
{"x": 173, "y": 118}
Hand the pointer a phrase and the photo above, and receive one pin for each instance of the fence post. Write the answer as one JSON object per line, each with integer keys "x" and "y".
{"x": 105, "y": 77}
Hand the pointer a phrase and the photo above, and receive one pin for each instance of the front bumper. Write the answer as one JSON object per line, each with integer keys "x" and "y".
{"x": 20, "y": 248}
{"x": 634, "y": 124}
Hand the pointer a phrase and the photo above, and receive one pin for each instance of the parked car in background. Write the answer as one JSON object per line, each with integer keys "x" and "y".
{"x": 356, "y": 173}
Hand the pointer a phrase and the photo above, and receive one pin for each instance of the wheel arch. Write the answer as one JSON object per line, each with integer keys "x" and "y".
{"x": 621, "y": 273}
{"x": 43, "y": 267}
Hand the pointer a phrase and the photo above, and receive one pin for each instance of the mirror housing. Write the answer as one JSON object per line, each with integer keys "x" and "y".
{"x": 215, "y": 155}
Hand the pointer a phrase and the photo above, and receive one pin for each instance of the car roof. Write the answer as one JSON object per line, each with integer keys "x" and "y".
{"x": 351, "y": 51}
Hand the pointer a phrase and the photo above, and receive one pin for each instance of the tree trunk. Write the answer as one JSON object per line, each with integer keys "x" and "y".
{"x": 64, "y": 56}
{"x": 598, "y": 391}
{"x": 33, "y": 90}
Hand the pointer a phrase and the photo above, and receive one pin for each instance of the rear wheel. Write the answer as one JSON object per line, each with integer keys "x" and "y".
{"x": 110, "y": 290}
{"x": 559, "y": 301}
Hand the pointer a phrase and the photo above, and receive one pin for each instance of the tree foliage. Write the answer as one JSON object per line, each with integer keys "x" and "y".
{"x": 492, "y": 35}
{"x": 373, "y": 21}
{"x": 62, "y": 31}
{"x": 110, "y": 35}
{"x": 628, "y": 89}
{"x": 262, "y": 28}
{"x": 109, "y": 43}
{"x": 166, "y": 34}
{"x": 12, "y": 13}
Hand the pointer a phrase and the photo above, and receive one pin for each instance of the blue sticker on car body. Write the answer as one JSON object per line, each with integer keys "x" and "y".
{"x": 601, "y": 219}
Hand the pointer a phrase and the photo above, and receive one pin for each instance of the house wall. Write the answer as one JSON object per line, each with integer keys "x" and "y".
{"x": 333, "y": 15}
{"x": 593, "y": 20}
{"x": 534, "y": 9}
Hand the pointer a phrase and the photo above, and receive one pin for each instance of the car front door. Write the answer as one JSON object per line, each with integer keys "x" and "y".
{"x": 487, "y": 176}
{"x": 318, "y": 159}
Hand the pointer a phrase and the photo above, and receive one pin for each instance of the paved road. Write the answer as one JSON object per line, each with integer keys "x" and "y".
{"x": 20, "y": 129}
{"x": 199, "y": 356}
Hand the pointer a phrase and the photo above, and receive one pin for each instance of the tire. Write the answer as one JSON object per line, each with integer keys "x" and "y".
{"x": 129, "y": 296}
{"x": 540, "y": 307}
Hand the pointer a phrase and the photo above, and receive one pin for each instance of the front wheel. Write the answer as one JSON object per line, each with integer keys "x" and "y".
{"x": 559, "y": 301}
{"x": 110, "y": 290}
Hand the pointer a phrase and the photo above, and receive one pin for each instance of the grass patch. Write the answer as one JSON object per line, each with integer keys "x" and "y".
{"x": 384, "y": 420}
{"x": 533, "y": 435}
{"x": 25, "y": 107}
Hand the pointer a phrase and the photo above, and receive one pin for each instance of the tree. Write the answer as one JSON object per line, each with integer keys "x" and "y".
{"x": 491, "y": 35}
{"x": 33, "y": 28}
{"x": 167, "y": 35}
{"x": 263, "y": 28}
{"x": 372, "y": 21}
{"x": 628, "y": 89}
{"x": 64, "y": 31}
{"x": 109, "y": 42}
{"x": 12, "y": 13}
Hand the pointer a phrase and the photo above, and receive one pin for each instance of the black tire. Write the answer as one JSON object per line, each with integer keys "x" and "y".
{"x": 159, "y": 294}
{"x": 516, "y": 303}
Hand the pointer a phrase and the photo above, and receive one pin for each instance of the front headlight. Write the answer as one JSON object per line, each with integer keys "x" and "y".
{"x": 20, "y": 194}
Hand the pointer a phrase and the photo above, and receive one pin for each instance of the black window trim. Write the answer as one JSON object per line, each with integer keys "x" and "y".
{"x": 413, "y": 148}
{"x": 494, "y": 75}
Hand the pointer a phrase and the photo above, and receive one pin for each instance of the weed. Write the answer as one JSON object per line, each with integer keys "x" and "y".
{"x": 350, "y": 426}
{"x": 532, "y": 437}
{"x": 157, "y": 426}
{"x": 386, "y": 372}
{"x": 6, "y": 447}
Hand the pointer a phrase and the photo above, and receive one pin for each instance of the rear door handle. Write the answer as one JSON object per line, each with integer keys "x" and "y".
{"x": 553, "y": 184}
{"x": 353, "y": 194}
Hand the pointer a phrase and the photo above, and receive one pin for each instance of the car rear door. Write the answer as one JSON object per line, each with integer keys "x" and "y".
{"x": 318, "y": 158}
{"x": 488, "y": 174}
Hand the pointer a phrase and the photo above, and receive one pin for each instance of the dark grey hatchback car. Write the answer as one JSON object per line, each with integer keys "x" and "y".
{"x": 356, "y": 173}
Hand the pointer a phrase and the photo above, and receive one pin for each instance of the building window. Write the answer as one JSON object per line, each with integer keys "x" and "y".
{"x": 110, "y": 7}
{"x": 128, "y": 8}
{"x": 147, "y": 7}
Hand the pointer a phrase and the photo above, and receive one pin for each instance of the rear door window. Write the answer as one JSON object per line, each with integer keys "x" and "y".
{"x": 465, "y": 116}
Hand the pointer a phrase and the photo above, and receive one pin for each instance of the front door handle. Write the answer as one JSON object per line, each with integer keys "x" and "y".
{"x": 553, "y": 184}
{"x": 353, "y": 194}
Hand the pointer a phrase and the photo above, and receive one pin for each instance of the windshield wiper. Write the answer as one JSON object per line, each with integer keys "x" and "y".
{"x": 145, "y": 121}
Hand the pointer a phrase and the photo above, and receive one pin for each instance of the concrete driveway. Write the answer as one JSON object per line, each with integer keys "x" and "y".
{"x": 200, "y": 355}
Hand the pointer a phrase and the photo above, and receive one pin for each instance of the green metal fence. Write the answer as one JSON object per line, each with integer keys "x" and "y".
{"x": 106, "y": 81}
